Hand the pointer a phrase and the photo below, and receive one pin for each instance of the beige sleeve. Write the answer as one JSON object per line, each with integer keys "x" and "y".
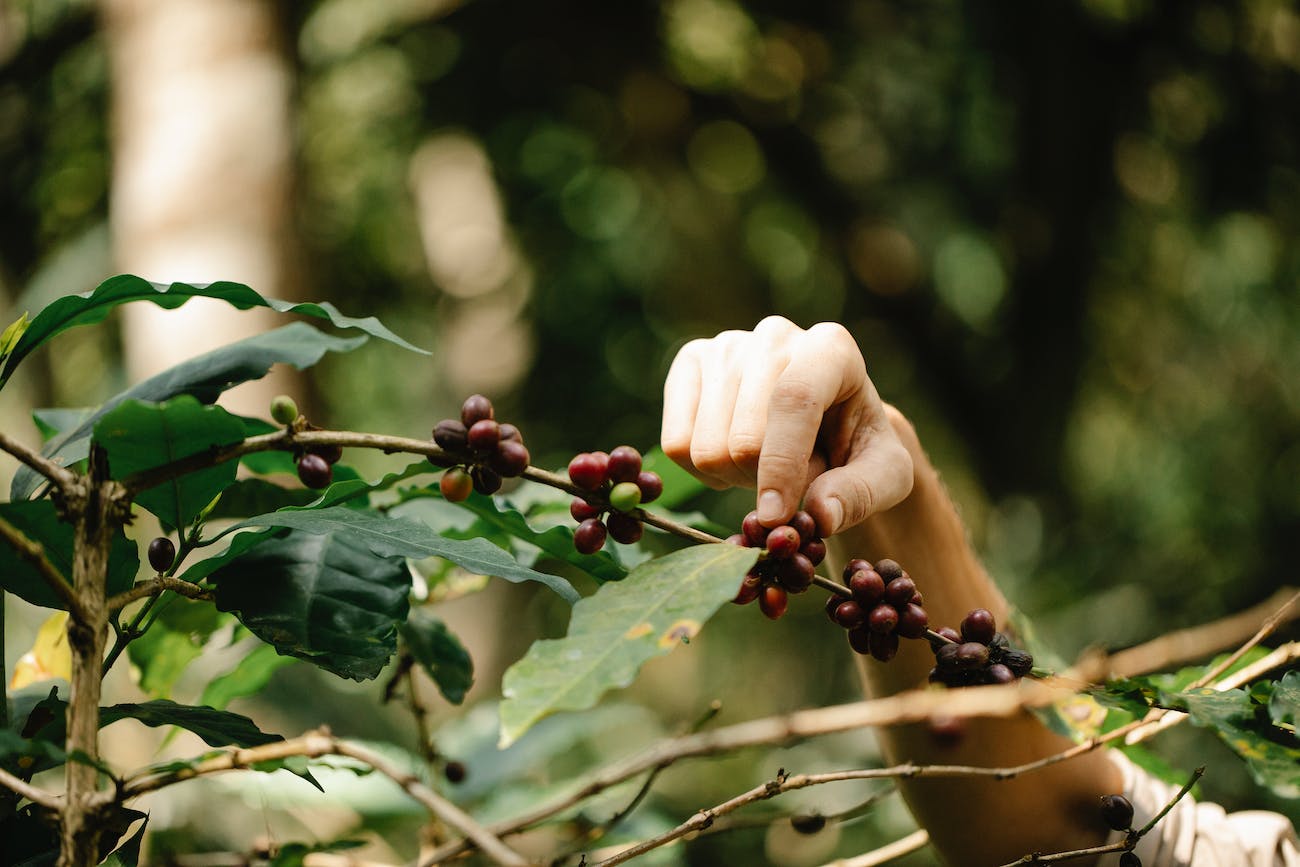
{"x": 1202, "y": 834}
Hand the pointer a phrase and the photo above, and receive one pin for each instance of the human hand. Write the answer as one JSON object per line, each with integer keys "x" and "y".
{"x": 791, "y": 412}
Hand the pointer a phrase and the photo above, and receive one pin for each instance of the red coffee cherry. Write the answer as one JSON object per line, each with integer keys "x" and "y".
{"x": 624, "y": 464}
{"x": 456, "y": 485}
{"x": 314, "y": 471}
{"x": 773, "y": 601}
{"x": 589, "y": 537}
{"x": 475, "y": 408}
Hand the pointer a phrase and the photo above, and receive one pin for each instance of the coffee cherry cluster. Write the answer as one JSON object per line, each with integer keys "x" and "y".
{"x": 977, "y": 654}
{"x": 619, "y": 486}
{"x": 490, "y": 451}
{"x": 791, "y": 554}
{"x": 885, "y": 606}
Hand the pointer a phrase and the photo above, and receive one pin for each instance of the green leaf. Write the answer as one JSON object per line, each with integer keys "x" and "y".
{"x": 94, "y": 306}
{"x": 200, "y": 570}
{"x": 177, "y": 636}
{"x": 12, "y": 334}
{"x": 319, "y": 596}
{"x": 439, "y": 653}
{"x": 615, "y": 631}
{"x": 39, "y": 521}
{"x": 205, "y": 377}
{"x": 396, "y": 537}
{"x": 55, "y": 420}
{"x": 217, "y": 728}
{"x": 248, "y": 677}
{"x": 128, "y": 854}
{"x": 140, "y": 436}
{"x": 556, "y": 541}
{"x": 254, "y": 496}
{"x": 1284, "y": 706}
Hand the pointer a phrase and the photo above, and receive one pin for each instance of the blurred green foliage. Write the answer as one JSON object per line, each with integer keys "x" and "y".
{"x": 1063, "y": 233}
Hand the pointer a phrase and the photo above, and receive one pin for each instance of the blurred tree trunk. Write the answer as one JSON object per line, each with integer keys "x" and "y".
{"x": 202, "y": 176}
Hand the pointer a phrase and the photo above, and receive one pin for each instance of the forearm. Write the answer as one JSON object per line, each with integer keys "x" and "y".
{"x": 971, "y": 821}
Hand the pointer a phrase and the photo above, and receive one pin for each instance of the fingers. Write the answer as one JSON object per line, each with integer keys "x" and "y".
{"x": 878, "y": 478}
{"x": 825, "y": 370}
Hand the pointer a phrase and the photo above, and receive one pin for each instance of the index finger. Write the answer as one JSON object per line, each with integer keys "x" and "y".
{"x": 825, "y": 368}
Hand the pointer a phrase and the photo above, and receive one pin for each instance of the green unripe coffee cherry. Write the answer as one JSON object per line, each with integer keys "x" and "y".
{"x": 283, "y": 409}
{"x": 625, "y": 496}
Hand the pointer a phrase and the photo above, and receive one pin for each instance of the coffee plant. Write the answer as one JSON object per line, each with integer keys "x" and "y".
{"x": 323, "y": 575}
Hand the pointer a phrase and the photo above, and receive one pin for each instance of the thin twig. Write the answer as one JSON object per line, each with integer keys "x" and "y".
{"x": 28, "y": 791}
{"x": 315, "y": 745}
{"x": 1264, "y": 631}
{"x": 63, "y": 478}
{"x": 34, "y": 553}
{"x": 155, "y": 586}
{"x": 897, "y": 849}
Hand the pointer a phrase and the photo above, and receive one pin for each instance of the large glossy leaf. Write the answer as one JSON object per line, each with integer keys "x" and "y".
{"x": 1284, "y": 706}
{"x": 217, "y": 728}
{"x": 397, "y": 537}
{"x": 439, "y": 653}
{"x": 614, "y": 632}
{"x": 39, "y": 521}
{"x": 322, "y": 596}
{"x": 205, "y": 377}
{"x": 140, "y": 436}
{"x": 94, "y": 306}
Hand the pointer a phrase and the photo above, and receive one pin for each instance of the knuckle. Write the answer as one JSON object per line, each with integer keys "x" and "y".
{"x": 711, "y": 459}
{"x": 745, "y": 447}
{"x": 794, "y": 393}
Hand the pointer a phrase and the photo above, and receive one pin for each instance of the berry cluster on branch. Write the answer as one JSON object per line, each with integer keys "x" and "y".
{"x": 488, "y": 451}
{"x": 978, "y": 654}
{"x": 885, "y": 606}
{"x": 618, "y": 486}
{"x": 788, "y": 564}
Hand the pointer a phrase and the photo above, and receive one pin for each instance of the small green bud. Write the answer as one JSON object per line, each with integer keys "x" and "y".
{"x": 283, "y": 409}
{"x": 625, "y": 496}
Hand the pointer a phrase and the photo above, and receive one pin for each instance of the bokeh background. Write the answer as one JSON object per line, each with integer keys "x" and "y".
{"x": 1063, "y": 233}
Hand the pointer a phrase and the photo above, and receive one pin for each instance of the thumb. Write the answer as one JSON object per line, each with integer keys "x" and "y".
{"x": 878, "y": 478}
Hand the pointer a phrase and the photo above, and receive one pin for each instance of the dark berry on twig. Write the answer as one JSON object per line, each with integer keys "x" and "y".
{"x": 162, "y": 553}
{"x": 899, "y": 591}
{"x": 589, "y": 537}
{"x": 912, "y": 621}
{"x": 889, "y": 569}
{"x": 623, "y": 528}
{"x": 867, "y": 587}
{"x": 581, "y": 510}
{"x": 314, "y": 471}
{"x": 883, "y": 619}
{"x": 1117, "y": 812}
{"x": 883, "y": 647}
{"x": 754, "y": 532}
{"x": 651, "y": 486}
{"x": 773, "y": 602}
{"x": 510, "y": 459}
{"x": 484, "y": 435}
{"x": 587, "y": 471}
{"x": 450, "y": 435}
{"x": 624, "y": 464}
{"x": 475, "y": 408}
{"x": 979, "y": 625}
{"x": 486, "y": 481}
{"x": 454, "y": 772}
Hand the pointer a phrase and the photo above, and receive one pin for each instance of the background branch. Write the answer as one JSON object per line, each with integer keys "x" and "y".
{"x": 34, "y": 553}
{"x": 153, "y": 587}
{"x": 62, "y": 477}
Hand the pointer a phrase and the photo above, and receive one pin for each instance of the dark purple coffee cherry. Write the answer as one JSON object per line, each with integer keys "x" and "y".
{"x": 949, "y": 633}
{"x": 804, "y": 524}
{"x": 868, "y": 587}
{"x": 857, "y": 564}
{"x": 651, "y": 486}
{"x": 860, "y": 640}
{"x": 510, "y": 459}
{"x": 589, "y": 537}
{"x": 475, "y": 408}
{"x": 314, "y": 471}
{"x": 833, "y": 602}
{"x": 979, "y": 625}
{"x": 883, "y": 647}
{"x": 946, "y": 657}
{"x": 454, "y": 772}
{"x": 912, "y": 621}
{"x": 451, "y": 435}
{"x": 581, "y": 510}
{"x": 456, "y": 485}
{"x": 883, "y": 619}
{"x": 900, "y": 591}
{"x": 1129, "y": 859}
{"x": 1117, "y": 812}
{"x": 814, "y": 550}
{"x": 162, "y": 553}
{"x": 486, "y": 481}
{"x": 971, "y": 655}
{"x": 807, "y": 823}
{"x": 624, "y": 464}
{"x": 484, "y": 436}
{"x": 754, "y": 532}
{"x": 510, "y": 433}
{"x": 587, "y": 471}
{"x": 998, "y": 673}
{"x": 848, "y": 614}
{"x": 624, "y": 528}
{"x": 332, "y": 453}
{"x": 889, "y": 569}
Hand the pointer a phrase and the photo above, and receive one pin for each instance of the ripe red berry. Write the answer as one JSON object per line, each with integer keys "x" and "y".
{"x": 484, "y": 435}
{"x": 475, "y": 408}
{"x": 998, "y": 673}
{"x": 754, "y": 532}
{"x": 857, "y": 564}
{"x": 456, "y": 485}
{"x": 849, "y": 614}
{"x": 624, "y": 528}
{"x": 882, "y": 647}
{"x": 773, "y": 601}
{"x": 451, "y": 435}
{"x": 581, "y": 510}
{"x": 314, "y": 471}
{"x": 750, "y": 587}
{"x": 796, "y": 574}
{"x": 883, "y": 619}
{"x": 624, "y": 464}
{"x": 860, "y": 640}
{"x": 331, "y": 453}
{"x": 912, "y": 621}
{"x": 510, "y": 432}
{"x": 1117, "y": 812}
{"x": 949, "y": 633}
{"x": 979, "y": 626}
{"x": 587, "y": 471}
{"x": 651, "y": 486}
{"x": 899, "y": 591}
{"x": 589, "y": 537}
{"x": 970, "y": 655}
{"x": 814, "y": 550}
{"x": 804, "y": 524}
{"x": 736, "y": 539}
{"x": 162, "y": 553}
{"x": 783, "y": 542}
{"x": 867, "y": 587}
{"x": 833, "y": 602}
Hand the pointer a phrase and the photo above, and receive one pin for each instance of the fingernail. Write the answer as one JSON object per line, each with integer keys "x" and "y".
{"x": 770, "y": 506}
{"x": 834, "y": 511}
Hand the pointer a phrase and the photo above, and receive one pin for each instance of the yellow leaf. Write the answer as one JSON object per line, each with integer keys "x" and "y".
{"x": 49, "y": 657}
{"x": 11, "y": 335}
